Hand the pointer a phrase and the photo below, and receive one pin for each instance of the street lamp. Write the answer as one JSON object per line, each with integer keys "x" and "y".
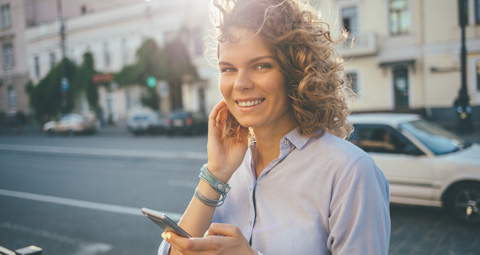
{"x": 461, "y": 103}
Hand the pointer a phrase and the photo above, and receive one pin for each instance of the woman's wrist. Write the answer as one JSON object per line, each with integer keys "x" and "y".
{"x": 220, "y": 174}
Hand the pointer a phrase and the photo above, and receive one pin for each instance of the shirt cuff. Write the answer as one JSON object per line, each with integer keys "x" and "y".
{"x": 164, "y": 248}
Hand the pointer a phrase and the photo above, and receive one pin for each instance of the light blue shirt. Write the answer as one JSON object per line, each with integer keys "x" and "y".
{"x": 320, "y": 196}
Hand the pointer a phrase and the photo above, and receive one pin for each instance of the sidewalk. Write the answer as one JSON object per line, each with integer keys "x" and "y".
{"x": 120, "y": 129}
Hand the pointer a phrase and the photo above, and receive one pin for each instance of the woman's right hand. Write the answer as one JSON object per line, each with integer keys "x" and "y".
{"x": 225, "y": 154}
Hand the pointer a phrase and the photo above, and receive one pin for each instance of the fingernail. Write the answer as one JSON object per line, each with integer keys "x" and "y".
{"x": 168, "y": 236}
{"x": 206, "y": 234}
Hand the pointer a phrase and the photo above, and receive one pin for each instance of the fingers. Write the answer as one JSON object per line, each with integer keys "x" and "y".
{"x": 217, "y": 115}
{"x": 223, "y": 230}
{"x": 184, "y": 245}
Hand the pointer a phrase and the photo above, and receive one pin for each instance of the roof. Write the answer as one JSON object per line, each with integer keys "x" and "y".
{"x": 392, "y": 119}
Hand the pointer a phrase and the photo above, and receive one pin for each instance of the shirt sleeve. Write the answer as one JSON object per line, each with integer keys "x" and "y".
{"x": 164, "y": 248}
{"x": 359, "y": 219}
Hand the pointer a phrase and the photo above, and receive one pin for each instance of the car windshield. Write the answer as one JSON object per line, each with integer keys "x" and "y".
{"x": 435, "y": 137}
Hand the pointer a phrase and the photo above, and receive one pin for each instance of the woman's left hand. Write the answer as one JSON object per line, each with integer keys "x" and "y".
{"x": 221, "y": 239}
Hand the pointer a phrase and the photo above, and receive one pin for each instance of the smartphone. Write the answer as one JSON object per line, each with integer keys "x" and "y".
{"x": 164, "y": 222}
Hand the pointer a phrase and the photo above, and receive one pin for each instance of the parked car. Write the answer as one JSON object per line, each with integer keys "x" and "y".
{"x": 146, "y": 122}
{"x": 185, "y": 122}
{"x": 424, "y": 163}
{"x": 71, "y": 124}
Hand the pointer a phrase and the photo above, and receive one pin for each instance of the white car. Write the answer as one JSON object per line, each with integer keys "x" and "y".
{"x": 146, "y": 122}
{"x": 424, "y": 163}
{"x": 71, "y": 124}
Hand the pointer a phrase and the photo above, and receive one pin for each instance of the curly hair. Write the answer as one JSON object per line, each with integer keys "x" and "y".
{"x": 304, "y": 49}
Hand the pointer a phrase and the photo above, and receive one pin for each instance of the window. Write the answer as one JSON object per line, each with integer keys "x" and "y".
{"x": 12, "y": 97}
{"x": 477, "y": 12}
{"x": 399, "y": 17}
{"x": 106, "y": 55}
{"x": 352, "y": 79}
{"x": 350, "y": 21}
{"x": 8, "y": 56}
{"x": 123, "y": 45}
{"x": 382, "y": 139}
{"x": 477, "y": 68}
{"x": 36, "y": 63}
{"x": 5, "y": 15}
{"x": 53, "y": 60}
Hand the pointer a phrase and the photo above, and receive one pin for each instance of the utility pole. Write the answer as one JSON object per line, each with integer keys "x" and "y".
{"x": 64, "y": 82}
{"x": 461, "y": 104}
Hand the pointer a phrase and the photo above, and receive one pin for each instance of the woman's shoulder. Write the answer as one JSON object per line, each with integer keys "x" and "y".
{"x": 333, "y": 146}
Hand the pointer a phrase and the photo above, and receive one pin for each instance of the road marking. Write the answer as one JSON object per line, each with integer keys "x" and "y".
{"x": 85, "y": 248}
{"x": 105, "y": 152}
{"x": 83, "y": 204}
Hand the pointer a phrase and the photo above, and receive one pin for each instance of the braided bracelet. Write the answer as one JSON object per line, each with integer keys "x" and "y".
{"x": 208, "y": 201}
{"x": 218, "y": 186}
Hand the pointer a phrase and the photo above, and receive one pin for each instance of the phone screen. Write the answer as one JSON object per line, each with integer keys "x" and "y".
{"x": 164, "y": 222}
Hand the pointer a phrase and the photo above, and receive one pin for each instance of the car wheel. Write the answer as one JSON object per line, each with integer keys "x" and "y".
{"x": 464, "y": 202}
{"x": 50, "y": 132}
{"x": 71, "y": 132}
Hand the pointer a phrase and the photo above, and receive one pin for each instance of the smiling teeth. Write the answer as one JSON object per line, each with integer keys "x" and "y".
{"x": 249, "y": 103}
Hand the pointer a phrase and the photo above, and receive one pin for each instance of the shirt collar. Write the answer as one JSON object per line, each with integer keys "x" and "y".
{"x": 296, "y": 139}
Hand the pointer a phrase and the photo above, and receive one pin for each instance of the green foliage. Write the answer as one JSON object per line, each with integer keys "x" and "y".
{"x": 150, "y": 62}
{"x": 46, "y": 97}
{"x": 171, "y": 63}
{"x": 150, "y": 99}
{"x": 83, "y": 80}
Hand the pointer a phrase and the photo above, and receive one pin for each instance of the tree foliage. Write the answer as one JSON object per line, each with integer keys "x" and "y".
{"x": 170, "y": 63}
{"x": 47, "y": 96}
{"x": 83, "y": 80}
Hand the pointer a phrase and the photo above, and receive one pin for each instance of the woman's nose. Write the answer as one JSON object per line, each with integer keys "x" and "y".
{"x": 243, "y": 81}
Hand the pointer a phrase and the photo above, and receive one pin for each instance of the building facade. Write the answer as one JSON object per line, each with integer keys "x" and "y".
{"x": 401, "y": 55}
{"x": 13, "y": 67}
{"x": 113, "y": 35}
{"x": 404, "y": 55}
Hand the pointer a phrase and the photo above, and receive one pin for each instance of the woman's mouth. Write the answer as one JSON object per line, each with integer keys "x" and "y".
{"x": 248, "y": 103}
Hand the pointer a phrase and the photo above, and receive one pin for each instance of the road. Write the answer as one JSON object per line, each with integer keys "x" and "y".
{"x": 82, "y": 196}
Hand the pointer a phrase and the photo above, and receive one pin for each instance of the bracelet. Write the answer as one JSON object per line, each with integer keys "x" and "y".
{"x": 208, "y": 201}
{"x": 220, "y": 187}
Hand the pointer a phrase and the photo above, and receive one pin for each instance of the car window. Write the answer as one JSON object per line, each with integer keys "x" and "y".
{"x": 436, "y": 138}
{"x": 382, "y": 139}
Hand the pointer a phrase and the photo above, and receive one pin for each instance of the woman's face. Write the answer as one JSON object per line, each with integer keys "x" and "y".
{"x": 252, "y": 84}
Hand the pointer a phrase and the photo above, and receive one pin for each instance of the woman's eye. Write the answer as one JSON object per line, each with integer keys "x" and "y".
{"x": 228, "y": 70}
{"x": 263, "y": 66}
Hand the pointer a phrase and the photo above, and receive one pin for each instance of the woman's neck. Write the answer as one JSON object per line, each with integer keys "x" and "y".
{"x": 268, "y": 144}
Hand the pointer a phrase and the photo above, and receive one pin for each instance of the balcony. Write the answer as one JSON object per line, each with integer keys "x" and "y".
{"x": 359, "y": 46}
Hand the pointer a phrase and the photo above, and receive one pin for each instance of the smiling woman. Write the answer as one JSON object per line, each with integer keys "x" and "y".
{"x": 275, "y": 145}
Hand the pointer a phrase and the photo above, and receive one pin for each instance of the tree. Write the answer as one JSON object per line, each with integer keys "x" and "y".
{"x": 171, "y": 63}
{"x": 46, "y": 96}
{"x": 83, "y": 80}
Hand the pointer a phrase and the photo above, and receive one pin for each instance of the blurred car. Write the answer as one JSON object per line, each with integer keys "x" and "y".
{"x": 71, "y": 124}
{"x": 146, "y": 122}
{"x": 185, "y": 122}
{"x": 424, "y": 163}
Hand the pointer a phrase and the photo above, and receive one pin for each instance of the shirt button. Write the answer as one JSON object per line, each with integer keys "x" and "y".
{"x": 251, "y": 222}
{"x": 286, "y": 142}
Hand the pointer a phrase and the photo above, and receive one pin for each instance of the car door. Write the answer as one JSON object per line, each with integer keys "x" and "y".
{"x": 408, "y": 170}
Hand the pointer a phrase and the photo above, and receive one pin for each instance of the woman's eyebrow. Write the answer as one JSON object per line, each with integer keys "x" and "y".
{"x": 251, "y": 61}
